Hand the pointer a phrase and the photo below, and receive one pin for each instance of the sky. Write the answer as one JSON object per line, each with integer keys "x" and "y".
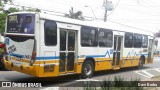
{"x": 143, "y": 14}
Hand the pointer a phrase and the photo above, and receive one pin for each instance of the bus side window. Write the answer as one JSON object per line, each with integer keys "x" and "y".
{"x": 128, "y": 40}
{"x": 105, "y": 38}
{"x": 137, "y": 40}
{"x": 50, "y": 33}
{"x": 145, "y": 41}
{"x": 89, "y": 36}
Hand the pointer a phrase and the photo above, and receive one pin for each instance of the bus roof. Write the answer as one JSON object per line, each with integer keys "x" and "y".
{"x": 99, "y": 24}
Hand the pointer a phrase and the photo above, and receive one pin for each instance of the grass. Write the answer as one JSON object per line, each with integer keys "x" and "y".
{"x": 118, "y": 83}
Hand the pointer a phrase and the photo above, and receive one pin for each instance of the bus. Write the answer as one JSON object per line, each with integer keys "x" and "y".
{"x": 45, "y": 45}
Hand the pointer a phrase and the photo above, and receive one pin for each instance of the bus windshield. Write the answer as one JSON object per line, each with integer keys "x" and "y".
{"x": 21, "y": 23}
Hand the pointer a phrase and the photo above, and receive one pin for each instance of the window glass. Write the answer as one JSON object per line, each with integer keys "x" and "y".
{"x": 137, "y": 40}
{"x": 145, "y": 41}
{"x": 63, "y": 37}
{"x": 105, "y": 38}
{"x": 128, "y": 40}
{"x": 89, "y": 36}
{"x": 50, "y": 31}
{"x": 71, "y": 41}
{"x": 21, "y": 23}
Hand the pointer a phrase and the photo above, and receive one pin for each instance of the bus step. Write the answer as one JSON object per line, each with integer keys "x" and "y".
{"x": 116, "y": 68}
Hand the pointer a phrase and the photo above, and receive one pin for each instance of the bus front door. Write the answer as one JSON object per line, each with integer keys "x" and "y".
{"x": 150, "y": 51}
{"x": 117, "y": 51}
{"x": 67, "y": 50}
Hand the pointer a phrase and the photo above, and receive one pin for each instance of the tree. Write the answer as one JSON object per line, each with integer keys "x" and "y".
{"x": 2, "y": 18}
{"x": 4, "y": 14}
{"x": 34, "y": 10}
{"x": 76, "y": 15}
{"x": 157, "y": 34}
{"x": 2, "y": 21}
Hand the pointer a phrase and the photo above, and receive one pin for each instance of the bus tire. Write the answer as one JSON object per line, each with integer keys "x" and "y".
{"x": 141, "y": 62}
{"x": 87, "y": 69}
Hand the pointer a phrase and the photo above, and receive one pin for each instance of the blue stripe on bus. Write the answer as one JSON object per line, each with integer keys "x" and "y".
{"x": 50, "y": 57}
{"x": 99, "y": 55}
{"x": 17, "y": 55}
{"x": 57, "y": 57}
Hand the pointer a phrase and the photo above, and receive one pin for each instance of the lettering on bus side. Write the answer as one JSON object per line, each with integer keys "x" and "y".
{"x": 27, "y": 56}
{"x": 111, "y": 51}
{"x": 11, "y": 49}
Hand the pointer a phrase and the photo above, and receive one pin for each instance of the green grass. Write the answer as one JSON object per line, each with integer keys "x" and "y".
{"x": 118, "y": 83}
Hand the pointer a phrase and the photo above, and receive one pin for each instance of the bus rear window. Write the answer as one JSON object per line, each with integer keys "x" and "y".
{"x": 21, "y": 23}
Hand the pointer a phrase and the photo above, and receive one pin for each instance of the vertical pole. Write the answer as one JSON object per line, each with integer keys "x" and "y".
{"x": 105, "y": 14}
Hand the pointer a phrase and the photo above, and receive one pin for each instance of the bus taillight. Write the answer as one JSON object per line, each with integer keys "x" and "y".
{"x": 33, "y": 58}
{"x": 33, "y": 55}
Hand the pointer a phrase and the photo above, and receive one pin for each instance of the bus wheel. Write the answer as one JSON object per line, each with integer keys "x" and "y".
{"x": 141, "y": 62}
{"x": 87, "y": 69}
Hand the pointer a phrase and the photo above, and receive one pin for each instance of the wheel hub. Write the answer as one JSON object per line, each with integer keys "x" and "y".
{"x": 88, "y": 69}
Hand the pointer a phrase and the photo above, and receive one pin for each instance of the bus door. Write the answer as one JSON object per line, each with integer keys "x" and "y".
{"x": 67, "y": 50}
{"x": 117, "y": 50}
{"x": 150, "y": 51}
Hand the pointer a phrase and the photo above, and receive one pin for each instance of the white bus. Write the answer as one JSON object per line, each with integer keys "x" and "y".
{"x": 45, "y": 45}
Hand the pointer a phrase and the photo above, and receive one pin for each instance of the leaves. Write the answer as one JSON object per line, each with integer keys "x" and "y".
{"x": 76, "y": 15}
{"x": 2, "y": 21}
{"x": 34, "y": 10}
{"x": 11, "y": 10}
{"x": 4, "y": 14}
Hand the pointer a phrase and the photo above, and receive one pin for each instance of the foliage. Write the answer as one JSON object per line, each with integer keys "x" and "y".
{"x": 119, "y": 83}
{"x": 11, "y": 10}
{"x": 76, "y": 15}
{"x": 34, "y": 10}
{"x": 157, "y": 34}
{"x": 2, "y": 21}
{"x": 4, "y": 14}
{"x": 0, "y": 3}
